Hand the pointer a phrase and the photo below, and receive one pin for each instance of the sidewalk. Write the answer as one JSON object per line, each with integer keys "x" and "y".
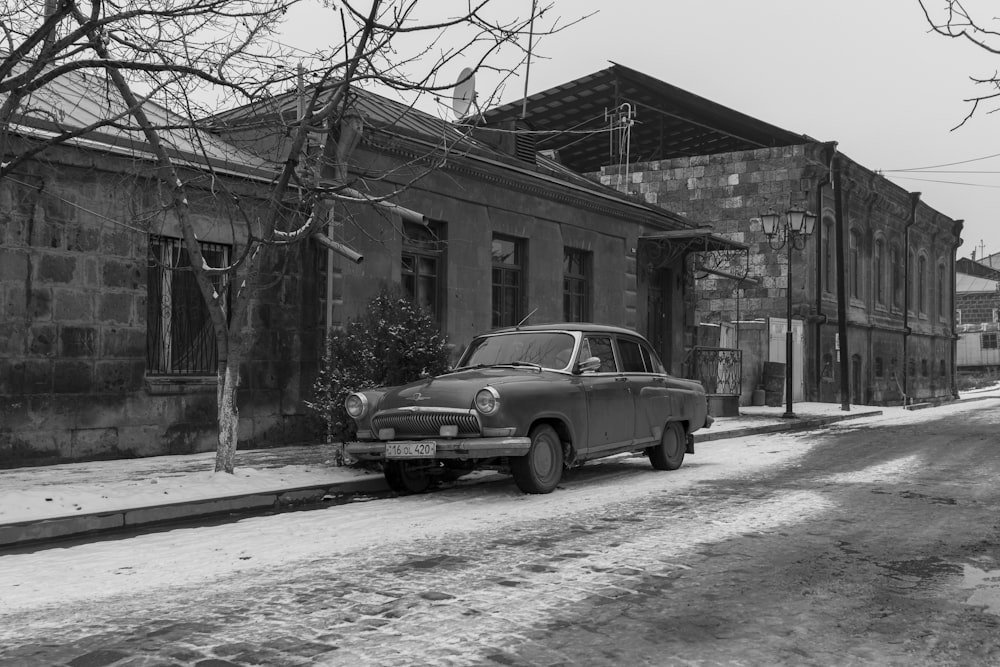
{"x": 44, "y": 503}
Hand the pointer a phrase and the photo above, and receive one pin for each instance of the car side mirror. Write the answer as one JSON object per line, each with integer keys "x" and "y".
{"x": 589, "y": 365}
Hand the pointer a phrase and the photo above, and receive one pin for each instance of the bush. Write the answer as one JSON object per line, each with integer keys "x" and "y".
{"x": 392, "y": 343}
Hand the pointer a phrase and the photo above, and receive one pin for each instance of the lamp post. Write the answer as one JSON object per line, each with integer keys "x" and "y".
{"x": 798, "y": 225}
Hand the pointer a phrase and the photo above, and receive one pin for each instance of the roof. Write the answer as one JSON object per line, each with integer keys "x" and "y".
{"x": 568, "y": 326}
{"x": 394, "y": 118}
{"x": 79, "y": 99}
{"x": 966, "y": 284}
{"x": 669, "y": 122}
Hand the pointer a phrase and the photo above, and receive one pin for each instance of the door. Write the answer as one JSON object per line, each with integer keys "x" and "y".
{"x": 610, "y": 409}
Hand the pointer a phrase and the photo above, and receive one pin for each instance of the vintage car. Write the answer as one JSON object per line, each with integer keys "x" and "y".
{"x": 531, "y": 401}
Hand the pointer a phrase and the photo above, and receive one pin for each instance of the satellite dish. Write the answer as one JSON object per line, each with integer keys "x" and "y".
{"x": 465, "y": 93}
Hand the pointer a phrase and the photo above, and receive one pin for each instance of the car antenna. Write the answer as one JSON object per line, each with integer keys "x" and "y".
{"x": 526, "y": 318}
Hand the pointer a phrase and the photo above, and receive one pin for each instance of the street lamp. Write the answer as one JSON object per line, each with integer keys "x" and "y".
{"x": 798, "y": 225}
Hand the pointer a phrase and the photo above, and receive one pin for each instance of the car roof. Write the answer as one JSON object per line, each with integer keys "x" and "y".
{"x": 569, "y": 326}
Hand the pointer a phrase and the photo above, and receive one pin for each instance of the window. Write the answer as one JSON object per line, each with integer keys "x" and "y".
{"x": 600, "y": 347}
{"x": 922, "y": 284}
{"x": 879, "y": 271}
{"x": 988, "y": 341}
{"x": 910, "y": 301}
{"x": 878, "y": 367}
{"x": 422, "y": 267}
{"x": 508, "y": 281}
{"x": 576, "y": 285}
{"x": 923, "y": 367}
{"x": 940, "y": 291}
{"x": 828, "y": 245}
{"x": 180, "y": 338}
{"x": 855, "y": 268}
{"x": 632, "y": 361}
{"x": 896, "y": 277}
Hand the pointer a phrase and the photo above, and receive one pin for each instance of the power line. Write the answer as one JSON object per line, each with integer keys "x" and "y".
{"x": 932, "y": 180}
{"x": 949, "y": 164}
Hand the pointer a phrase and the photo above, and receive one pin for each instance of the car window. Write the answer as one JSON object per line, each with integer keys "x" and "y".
{"x": 632, "y": 361}
{"x": 600, "y": 347}
{"x": 652, "y": 361}
{"x": 548, "y": 349}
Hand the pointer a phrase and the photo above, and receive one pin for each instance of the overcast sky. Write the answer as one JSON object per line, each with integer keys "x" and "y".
{"x": 865, "y": 73}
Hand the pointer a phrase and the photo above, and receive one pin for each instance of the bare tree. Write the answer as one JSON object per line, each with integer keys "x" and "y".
{"x": 187, "y": 55}
{"x": 978, "y": 26}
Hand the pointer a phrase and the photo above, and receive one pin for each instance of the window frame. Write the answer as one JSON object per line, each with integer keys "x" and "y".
{"x": 424, "y": 243}
{"x": 173, "y": 295}
{"x": 500, "y": 316}
{"x": 577, "y": 288}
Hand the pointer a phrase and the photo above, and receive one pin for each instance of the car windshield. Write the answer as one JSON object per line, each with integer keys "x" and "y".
{"x": 545, "y": 348}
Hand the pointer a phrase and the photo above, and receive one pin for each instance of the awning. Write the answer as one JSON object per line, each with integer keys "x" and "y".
{"x": 717, "y": 254}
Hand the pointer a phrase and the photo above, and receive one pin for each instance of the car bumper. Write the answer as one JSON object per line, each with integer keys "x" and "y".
{"x": 465, "y": 448}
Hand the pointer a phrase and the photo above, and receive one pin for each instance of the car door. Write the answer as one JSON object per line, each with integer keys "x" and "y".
{"x": 610, "y": 408}
{"x": 643, "y": 388}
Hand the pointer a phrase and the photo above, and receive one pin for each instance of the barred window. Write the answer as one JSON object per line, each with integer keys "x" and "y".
{"x": 180, "y": 338}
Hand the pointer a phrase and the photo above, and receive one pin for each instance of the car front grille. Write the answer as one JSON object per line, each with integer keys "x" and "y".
{"x": 426, "y": 423}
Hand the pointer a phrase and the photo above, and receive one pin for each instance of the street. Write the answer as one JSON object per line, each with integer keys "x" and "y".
{"x": 874, "y": 541}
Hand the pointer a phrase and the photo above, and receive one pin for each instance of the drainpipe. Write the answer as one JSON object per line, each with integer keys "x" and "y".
{"x": 820, "y": 318}
{"x": 838, "y": 213}
{"x": 956, "y": 232}
{"x": 914, "y": 200}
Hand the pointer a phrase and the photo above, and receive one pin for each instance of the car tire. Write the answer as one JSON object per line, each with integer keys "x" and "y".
{"x": 407, "y": 476}
{"x": 540, "y": 470}
{"x": 669, "y": 454}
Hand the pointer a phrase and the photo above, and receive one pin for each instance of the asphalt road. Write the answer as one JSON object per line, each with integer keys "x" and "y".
{"x": 869, "y": 543}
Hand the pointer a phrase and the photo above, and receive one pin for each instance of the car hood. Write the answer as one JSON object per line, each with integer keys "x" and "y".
{"x": 458, "y": 389}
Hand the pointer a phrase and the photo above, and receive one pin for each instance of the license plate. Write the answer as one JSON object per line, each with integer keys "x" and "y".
{"x": 411, "y": 450}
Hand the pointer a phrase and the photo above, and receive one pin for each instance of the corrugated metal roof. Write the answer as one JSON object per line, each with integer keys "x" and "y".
{"x": 966, "y": 284}
{"x": 668, "y": 121}
{"x": 81, "y": 99}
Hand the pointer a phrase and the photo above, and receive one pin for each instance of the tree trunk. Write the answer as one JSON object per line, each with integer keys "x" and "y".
{"x": 229, "y": 418}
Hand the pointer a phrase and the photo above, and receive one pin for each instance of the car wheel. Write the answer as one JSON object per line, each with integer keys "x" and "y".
{"x": 669, "y": 454}
{"x": 407, "y": 476}
{"x": 540, "y": 470}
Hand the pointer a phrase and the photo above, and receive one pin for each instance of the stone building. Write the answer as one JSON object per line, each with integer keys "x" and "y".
{"x": 104, "y": 354}
{"x": 872, "y": 287}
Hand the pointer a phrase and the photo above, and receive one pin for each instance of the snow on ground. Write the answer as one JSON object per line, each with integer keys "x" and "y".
{"x": 185, "y": 556}
{"x": 48, "y": 496}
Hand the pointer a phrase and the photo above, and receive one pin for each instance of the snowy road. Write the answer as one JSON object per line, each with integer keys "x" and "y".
{"x": 792, "y": 549}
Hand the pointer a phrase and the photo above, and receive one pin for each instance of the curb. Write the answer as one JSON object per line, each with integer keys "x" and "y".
{"x": 791, "y": 425}
{"x": 25, "y": 533}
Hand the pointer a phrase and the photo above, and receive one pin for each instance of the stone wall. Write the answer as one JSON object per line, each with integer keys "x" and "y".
{"x": 73, "y": 313}
{"x": 899, "y": 311}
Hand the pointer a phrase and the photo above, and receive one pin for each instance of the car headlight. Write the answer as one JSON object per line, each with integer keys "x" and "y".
{"x": 487, "y": 400}
{"x": 356, "y": 405}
